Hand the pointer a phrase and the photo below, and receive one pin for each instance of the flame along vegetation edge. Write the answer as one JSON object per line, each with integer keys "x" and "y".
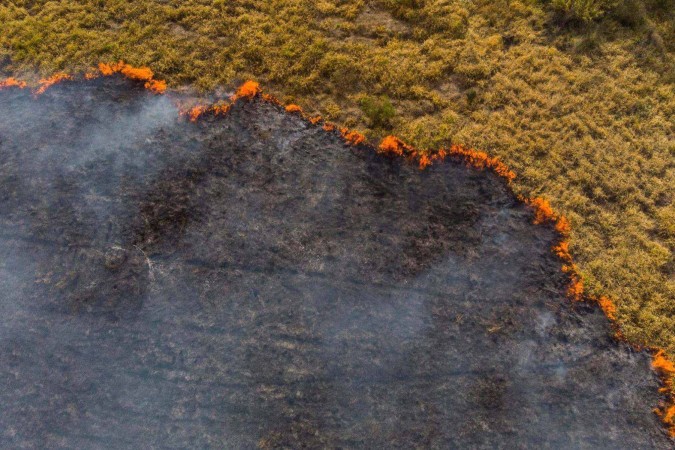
{"x": 395, "y": 147}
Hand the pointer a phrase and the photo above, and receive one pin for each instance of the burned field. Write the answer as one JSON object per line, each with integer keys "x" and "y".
{"x": 250, "y": 280}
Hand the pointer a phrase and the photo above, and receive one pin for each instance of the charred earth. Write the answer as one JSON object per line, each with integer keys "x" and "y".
{"x": 250, "y": 280}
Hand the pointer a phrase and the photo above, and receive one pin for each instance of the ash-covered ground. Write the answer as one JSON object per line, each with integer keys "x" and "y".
{"x": 249, "y": 280}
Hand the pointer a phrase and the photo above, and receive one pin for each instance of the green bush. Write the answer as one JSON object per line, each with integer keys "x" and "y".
{"x": 378, "y": 110}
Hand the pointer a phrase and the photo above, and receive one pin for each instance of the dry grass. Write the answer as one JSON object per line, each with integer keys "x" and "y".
{"x": 583, "y": 113}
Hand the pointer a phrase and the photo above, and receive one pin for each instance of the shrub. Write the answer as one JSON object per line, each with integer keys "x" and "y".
{"x": 378, "y": 110}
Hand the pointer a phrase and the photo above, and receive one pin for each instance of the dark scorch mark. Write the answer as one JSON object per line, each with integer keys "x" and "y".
{"x": 250, "y": 280}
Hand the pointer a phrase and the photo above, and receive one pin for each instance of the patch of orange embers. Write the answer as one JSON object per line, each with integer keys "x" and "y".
{"x": 195, "y": 112}
{"x": 271, "y": 99}
{"x": 12, "y": 82}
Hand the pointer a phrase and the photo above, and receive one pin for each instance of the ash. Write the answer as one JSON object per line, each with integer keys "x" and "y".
{"x": 249, "y": 280}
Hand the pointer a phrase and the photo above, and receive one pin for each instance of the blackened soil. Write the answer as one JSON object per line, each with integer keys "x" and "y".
{"x": 249, "y": 280}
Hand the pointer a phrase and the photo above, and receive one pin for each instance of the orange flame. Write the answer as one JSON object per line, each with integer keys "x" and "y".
{"x": 248, "y": 90}
{"x": 543, "y": 212}
{"x": 137, "y": 73}
{"x": 563, "y": 226}
{"x": 481, "y": 160}
{"x": 663, "y": 365}
{"x": 352, "y": 137}
{"x": 563, "y": 251}
{"x": 133, "y": 73}
{"x": 391, "y": 145}
{"x": 197, "y": 111}
{"x": 576, "y": 288}
{"x": 221, "y": 109}
{"x": 608, "y": 308}
{"x": 665, "y": 368}
{"x": 293, "y": 109}
{"x": 12, "y": 82}
{"x": 424, "y": 161}
{"x": 156, "y": 86}
{"x": 46, "y": 83}
{"x": 107, "y": 69}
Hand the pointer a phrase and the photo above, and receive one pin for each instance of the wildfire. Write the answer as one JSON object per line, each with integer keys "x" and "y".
{"x": 131, "y": 72}
{"x": 481, "y": 160}
{"x": 136, "y": 73}
{"x": 543, "y": 212}
{"x": 563, "y": 226}
{"x": 663, "y": 365}
{"x": 352, "y": 137}
{"x": 391, "y": 145}
{"x": 665, "y": 368}
{"x": 156, "y": 86}
{"x": 197, "y": 111}
{"x": 563, "y": 251}
{"x": 424, "y": 161}
{"x": 271, "y": 99}
{"x": 575, "y": 290}
{"x": 46, "y": 83}
{"x": 248, "y": 90}
{"x": 12, "y": 82}
{"x": 107, "y": 69}
{"x": 221, "y": 109}
{"x": 294, "y": 109}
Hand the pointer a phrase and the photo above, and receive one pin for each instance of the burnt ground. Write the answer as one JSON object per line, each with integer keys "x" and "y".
{"x": 250, "y": 280}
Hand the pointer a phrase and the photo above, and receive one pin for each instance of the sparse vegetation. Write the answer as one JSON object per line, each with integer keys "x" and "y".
{"x": 581, "y": 108}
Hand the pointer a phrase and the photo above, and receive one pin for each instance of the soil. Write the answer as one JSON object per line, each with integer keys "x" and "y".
{"x": 250, "y": 280}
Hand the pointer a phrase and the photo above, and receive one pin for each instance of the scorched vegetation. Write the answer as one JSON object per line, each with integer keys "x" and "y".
{"x": 578, "y": 97}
